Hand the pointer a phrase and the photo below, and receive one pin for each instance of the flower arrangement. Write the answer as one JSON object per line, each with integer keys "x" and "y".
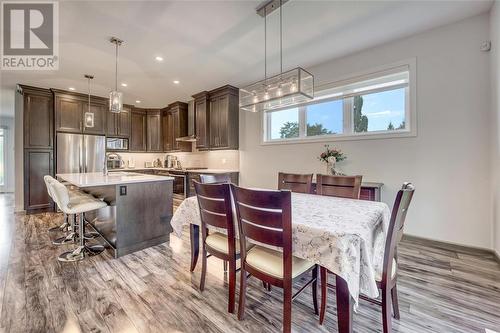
{"x": 328, "y": 155}
{"x": 331, "y": 157}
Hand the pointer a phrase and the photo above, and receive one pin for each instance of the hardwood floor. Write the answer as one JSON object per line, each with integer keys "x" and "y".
{"x": 442, "y": 288}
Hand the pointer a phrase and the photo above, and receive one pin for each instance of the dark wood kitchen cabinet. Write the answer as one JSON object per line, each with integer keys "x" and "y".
{"x": 118, "y": 124}
{"x": 224, "y": 118}
{"x": 202, "y": 123}
{"x": 70, "y": 109}
{"x": 37, "y": 107}
{"x": 154, "y": 131}
{"x": 175, "y": 125}
{"x": 37, "y": 164}
{"x": 138, "y": 130}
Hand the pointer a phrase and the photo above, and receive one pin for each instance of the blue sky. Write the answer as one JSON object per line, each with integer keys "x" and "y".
{"x": 380, "y": 108}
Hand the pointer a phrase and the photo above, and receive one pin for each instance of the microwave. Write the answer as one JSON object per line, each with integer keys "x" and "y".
{"x": 116, "y": 144}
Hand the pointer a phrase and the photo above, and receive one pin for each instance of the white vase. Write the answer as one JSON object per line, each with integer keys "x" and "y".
{"x": 330, "y": 166}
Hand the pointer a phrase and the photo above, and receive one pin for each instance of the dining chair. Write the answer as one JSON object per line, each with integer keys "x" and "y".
{"x": 339, "y": 186}
{"x": 295, "y": 182}
{"x": 214, "y": 202}
{"x": 265, "y": 217}
{"x": 385, "y": 274}
{"x": 216, "y": 178}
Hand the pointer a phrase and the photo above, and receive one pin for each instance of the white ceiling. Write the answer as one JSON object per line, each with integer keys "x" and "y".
{"x": 206, "y": 44}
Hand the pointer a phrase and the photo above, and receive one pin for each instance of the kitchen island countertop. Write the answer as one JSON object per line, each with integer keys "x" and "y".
{"x": 83, "y": 180}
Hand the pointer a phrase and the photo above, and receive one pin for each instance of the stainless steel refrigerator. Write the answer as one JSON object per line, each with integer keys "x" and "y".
{"x": 79, "y": 153}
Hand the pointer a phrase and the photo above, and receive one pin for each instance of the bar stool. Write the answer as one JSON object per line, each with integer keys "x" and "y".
{"x": 77, "y": 205}
{"x": 65, "y": 226}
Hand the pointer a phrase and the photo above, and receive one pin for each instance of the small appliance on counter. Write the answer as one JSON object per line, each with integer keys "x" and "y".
{"x": 114, "y": 161}
{"x": 148, "y": 164}
{"x": 172, "y": 162}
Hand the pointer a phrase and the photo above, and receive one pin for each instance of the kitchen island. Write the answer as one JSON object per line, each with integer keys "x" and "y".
{"x": 138, "y": 212}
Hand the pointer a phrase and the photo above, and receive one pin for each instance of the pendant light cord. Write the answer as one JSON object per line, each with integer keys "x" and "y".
{"x": 116, "y": 67}
{"x": 89, "y": 92}
{"x": 281, "y": 37}
{"x": 265, "y": 45}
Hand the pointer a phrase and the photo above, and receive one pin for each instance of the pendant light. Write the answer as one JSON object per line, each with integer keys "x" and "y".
{"x": 286, "y": 89}
{"x": 89, "y": 116}
{"x": 116, "y": 97}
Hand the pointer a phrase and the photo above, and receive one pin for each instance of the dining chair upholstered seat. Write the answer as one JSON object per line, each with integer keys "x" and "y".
{"x": 270, "y": 262}
{"x": 394, "y": 270}
{"x": 219, "y": 242}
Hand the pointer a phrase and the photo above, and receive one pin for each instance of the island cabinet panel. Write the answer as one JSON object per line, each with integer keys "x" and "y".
{"x": 38, "y": 116}
{"x": 224, "y": 118}
{"x": 70, "y": 109}
{"x": 202, "y": 116}
{"x": 138, "y": 131}
{"x": 175, "y": 125}
{"x": 154, "y": 131}
{"x": 37, "y": 164}
{"x": 118, "y": 124}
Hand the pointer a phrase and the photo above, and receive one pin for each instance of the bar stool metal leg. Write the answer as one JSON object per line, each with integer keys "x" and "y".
{"x": 62, "y": 227}
{"x": 82, "y": 250}
{"x": 72, "y": 236}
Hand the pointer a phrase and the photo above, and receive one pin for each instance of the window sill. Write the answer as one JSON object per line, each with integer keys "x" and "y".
{"x": 342, "y": 137}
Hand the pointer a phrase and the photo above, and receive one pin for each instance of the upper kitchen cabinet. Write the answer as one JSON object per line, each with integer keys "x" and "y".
{"x": 70, "y": 109}
{"x": 37, "y": 107}
{"x": 137, "y": 130}
{"x": 224, "y": 118}
{"x": 201, "y": 117}
{"x": 154, "y": 128}
{"x": 175, "y": 125}
{"x": 118, "y": 124}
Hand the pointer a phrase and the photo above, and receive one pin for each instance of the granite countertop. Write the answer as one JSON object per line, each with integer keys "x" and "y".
{"x": 115, "y": 178}
{"x": 201, "y": 170}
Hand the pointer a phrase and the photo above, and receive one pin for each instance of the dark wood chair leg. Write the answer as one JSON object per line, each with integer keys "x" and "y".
{"x": 287, "y": 307}
{"x": 315, "y": 289}
{"x": 324, "y": 291}
{"x": 232, "y": 285}
{"x": 344, "y": 305}
{"x": 203, "y": 268}
{"x": 243, "y": 290}
{"x": 386, "y": 311}
{"x": 395, "y": 302}
{"x": 225, "y": 266}
{"x": 194, "y": 235}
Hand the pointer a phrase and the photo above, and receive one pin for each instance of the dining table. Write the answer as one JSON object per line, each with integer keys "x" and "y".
{"x": 346, "y": 236}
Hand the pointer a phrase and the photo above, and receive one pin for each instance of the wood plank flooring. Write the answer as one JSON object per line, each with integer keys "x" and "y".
{"x": 442, "y": 288}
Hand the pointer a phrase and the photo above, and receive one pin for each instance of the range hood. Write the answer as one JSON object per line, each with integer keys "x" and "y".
{"x": 191, "y": 137}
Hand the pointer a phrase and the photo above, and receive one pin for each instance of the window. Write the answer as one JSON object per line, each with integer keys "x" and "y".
{"x": 375, "y": 105}
{"x": 2, "y": 152}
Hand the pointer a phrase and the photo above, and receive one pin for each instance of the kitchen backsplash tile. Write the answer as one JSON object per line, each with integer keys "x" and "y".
{"x": 217, "y": 159}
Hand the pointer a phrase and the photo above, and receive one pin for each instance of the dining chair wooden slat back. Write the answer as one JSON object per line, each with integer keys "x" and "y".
{"x": 263, "y": 216}
{"x": 214, "y": 201}
{"x": 218, "y": 178}
{"x": 300, "y": 183}
{"x": 339, "y": 186}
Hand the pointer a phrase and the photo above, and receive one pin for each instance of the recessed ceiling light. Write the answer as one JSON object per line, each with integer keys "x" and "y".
{"x": 138, "y": 101}
{"x": 124, "y": 84}
{"x": 71, "y": 88}
{"x": 159, "y": 58}
{"x": 176, "y": 81}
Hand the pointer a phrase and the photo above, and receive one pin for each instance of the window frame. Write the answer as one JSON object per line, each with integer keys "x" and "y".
{"x": 348, "y": 134}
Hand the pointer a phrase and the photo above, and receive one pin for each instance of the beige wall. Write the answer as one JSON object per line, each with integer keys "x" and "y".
{"x": 495, "y": 79}
{"x": 449, "y": 159}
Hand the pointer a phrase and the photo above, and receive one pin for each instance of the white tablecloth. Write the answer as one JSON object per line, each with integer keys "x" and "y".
{"x": 345, "y": 236}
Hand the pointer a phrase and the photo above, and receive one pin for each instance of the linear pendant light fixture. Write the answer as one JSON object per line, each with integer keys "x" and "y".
{"x": 116, "y": 97}
{"x": 286, "y": 89}
{"x": 89, "y": 116}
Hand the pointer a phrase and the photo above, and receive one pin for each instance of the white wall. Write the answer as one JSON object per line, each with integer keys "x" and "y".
{"x": 449, "y": 159}
{"x": 495, "y": 94}
{"x": 7, "y": 123}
